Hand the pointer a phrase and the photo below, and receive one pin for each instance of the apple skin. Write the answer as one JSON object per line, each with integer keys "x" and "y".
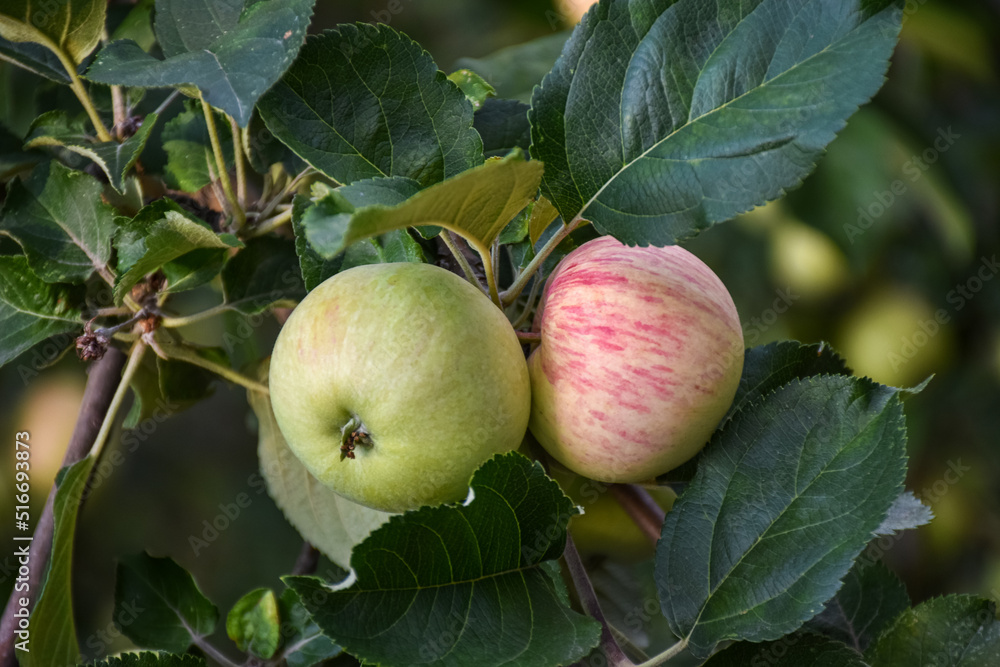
{"x": 641, "y": 353}
{"x": 429, "y": 365}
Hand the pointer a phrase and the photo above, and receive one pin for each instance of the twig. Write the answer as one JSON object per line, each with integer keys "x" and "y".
{"x": 528, "y": 336}
{"x": 188, "y": 355}
{"x": 271, "y": 224}
{"x": 526, "y": 313}
{"x": 671, "y": 652}
{"x": 104, "y": 379}
{"x": 463, "y": 261}
{"x": 307, "y": 561}
{"x": 119, "y": 110}
{"x": 646, "y": 514}
{"x": 514, "y": 291}
{"x": 239, "y": 217}
{"x": 241, "y": 173}
{"x": 588, "y": 600}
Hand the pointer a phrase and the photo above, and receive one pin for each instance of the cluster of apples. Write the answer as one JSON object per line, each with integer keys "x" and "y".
{"x": 392, "y": 383}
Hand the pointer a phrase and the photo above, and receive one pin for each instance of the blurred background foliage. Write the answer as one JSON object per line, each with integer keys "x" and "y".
{"x": 888, "y": 251}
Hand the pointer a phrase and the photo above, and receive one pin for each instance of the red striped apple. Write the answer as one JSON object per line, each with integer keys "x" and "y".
{"x": 641, "y": 353}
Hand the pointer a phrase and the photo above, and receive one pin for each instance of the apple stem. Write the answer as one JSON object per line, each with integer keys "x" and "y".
{"x": 590, "y": 604}
{"x": 528, "y": 336}
{"x": 514, "y": 291}
{"x": 353, "y": 433}
{"x": 646, "y": 514}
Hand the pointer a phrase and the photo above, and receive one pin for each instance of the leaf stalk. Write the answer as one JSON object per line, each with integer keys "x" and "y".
{"x": 239, "y": 217}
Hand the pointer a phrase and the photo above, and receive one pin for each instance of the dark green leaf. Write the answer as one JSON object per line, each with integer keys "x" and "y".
{"x": 149, "y": 659}
{"x": 684, "y": 113}
{"x": 767, "y": 367}
{"x": 952, "y": 631}
{"x": 798, "y": 650}
{"x": 906, "y": 513}
{"x": 174, "y": 610}
{"x": 193, "y": 269}
{"x": 72, "y": 26}
{"x": 515, "y": 70}
{"x": 147, "y": 398}
{"x": 440, "y": 575}
{"x": 315, "y": 269}
{"x": 190, "y": 161}
{"x": 503, "y": 126}
{"x": 263, "y": 274}
{"x": 35, "y": 58}
{"x": 306, "y": 645}
{"x": 365, "y": 101}
{"x": 870, "y": 599}
{"x": 30, "y": 309}
{"x": 477, "y": 204}
{"x": 53, "y": 630}
{"x": 231, "y": 53}
{"x": 263, "y": 149}
{"x": 14, "y": 159}
{"x": 160, "y": 233}
{"x": 474, "y": 87}
{"x": 785, "y": 497}
{"x": 182, "y": 384}
{"x": 54, "y": 129}
{"x": 59, "y": 219}
{"x": 254, "y": 623}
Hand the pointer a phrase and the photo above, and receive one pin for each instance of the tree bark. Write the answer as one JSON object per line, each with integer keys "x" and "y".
{"x": 102, "y": 383}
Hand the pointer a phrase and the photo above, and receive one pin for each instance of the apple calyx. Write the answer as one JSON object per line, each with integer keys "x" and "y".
{"x": 353, "y": 434}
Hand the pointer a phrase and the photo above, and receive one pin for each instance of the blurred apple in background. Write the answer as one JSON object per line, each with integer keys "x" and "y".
{"x": 806, "y": 261}
{"x": 605, "y": 528}
{"x": 896, "y": 337}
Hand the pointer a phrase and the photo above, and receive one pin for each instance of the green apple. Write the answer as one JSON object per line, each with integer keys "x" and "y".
{"x": 605, "y": 528}
{"x": 640, "y": 356}
{"x": 392, "y": 383}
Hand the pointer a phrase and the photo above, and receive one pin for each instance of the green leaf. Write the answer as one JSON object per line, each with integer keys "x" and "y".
{"x": 365, "y": 101}
{"x": 662, "y": 118}
{"x": 263, "y": 274}
{"x": 35, "y": 58}
{"x": 160, "y": 233}
{"x": 61, "y": 223}
{"x": 53, "y": 630}
{"x": 503, "y": 126}
{"x": 474, "y": 87}
{"x": 785, "y": 497}
{"x": 315, "y": 269}
{"x": 190, "y": 161}
{"x": 515, "y": 70}
{"x": 331, "y": 523}
{"x": 798, "y": 650}
{"x": 477, "y": 204}
{"x": 305, "y": 645}
{"x": 870, "y": 599}
{"x": 232, "y": 53}
{"x": 542, "y": 215}
{"x": 30, "y": 309}
{"x": 13, "y": 158}
{"x": 149, "y": 659}
{"x": 906, "y": 513}
{"x": 54, "y": 129}
{"x": 952, "y": 631}
{"x": 440, "y": 575}
{"x": 193, "y": 269}
{"x": 182, "y": 384}
{"x": 174, "y": 612}
{"x": 137, "y": 25}
{"x": 254, "y": 623}
{"x": 767, "y": 367}
{"x": 71, "y": 26}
